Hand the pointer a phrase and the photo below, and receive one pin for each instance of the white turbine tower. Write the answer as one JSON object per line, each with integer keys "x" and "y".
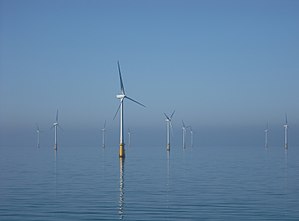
{"x": 168, "y": 127}
{"x": 266, "y": 136}
{"x": 38, "y": 133}
{"x": 103, "y": 135}
{"x": 286, "y": 133}
{"x": 184, "y": 128}
{"x": 129, "y": 137}
{"x": 191, "y": 136}
{"x": 121, "y": 97}
{"x": 55, "y": 125}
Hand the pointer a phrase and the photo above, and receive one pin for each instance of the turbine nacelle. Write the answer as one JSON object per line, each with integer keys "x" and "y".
{"x": 169, "y": 118}
{"x": 120, "y": 96}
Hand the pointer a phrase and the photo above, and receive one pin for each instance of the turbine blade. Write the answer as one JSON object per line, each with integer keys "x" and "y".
{"x": 122, "y": 88}
{"x": 172, "y": 114}
{"x": 57, "y": 115}
{"x": 171, "y": 129}
{"x": 117, "y": 110}
{"x": 60, "y": 127}
{"x": 135, "y": 101}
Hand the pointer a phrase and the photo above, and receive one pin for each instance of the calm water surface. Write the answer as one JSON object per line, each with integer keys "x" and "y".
{"x": 91, "y": 183}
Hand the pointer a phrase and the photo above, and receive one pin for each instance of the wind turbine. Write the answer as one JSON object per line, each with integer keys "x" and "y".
{"x": 129, "y": 137}
{"x": 184, "y": 134}
{"x": 168, "y": 126}
{"x": 55, "y": 125}
{"x": 121, "y": 97}
{"x": 38, "y": 132}
{"x": 286, "y": 133}
{"x": 191, "y": 136}
{"x": 266, "y": 136}
{"x": 103, "y": 135}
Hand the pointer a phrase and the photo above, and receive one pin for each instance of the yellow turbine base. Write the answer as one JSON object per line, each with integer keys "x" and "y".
{"x": 121, "y": 150}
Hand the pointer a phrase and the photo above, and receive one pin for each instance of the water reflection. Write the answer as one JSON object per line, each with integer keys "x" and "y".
{"x": 103, "y": 162}
{"x": 285, "y": 192}
{"x": 167, "y": 179}
{"x": 286, "y": 158}
{"x": 168, "y": 166}
{"x": 55, "y": 171}
{"x": 286, "y": 165}
{"x": 121, "y": 187}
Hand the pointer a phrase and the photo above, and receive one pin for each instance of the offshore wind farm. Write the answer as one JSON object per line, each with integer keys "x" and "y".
{"x": 217, "y": 140}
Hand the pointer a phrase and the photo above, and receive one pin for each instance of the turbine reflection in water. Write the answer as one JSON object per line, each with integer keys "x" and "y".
{"x": 55, "y": 171}
{"x": 121, "y": 188}
{"x": 167, "y": 177}
{"x": 286, "y": 163}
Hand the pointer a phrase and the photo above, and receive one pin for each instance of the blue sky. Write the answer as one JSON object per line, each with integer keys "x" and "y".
{"x": 219, "y": 64}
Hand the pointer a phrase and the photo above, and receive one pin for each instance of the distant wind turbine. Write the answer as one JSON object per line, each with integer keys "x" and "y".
{"x": 266, "y": 136}
{"x": 191, "y": 136}
{"x": 38, "y": 133}
{"x": 184, "y": 128}
{"x": 129, "y": 137}
{"x": 121, "y": 97}
{"x": 55, "y": 125}
{"x": 168, "y": 127}
{"x": 103, "y": 135}
{"x": 286, "y": 133}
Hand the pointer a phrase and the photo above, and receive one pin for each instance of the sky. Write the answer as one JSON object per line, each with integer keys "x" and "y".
{"x": 226, "y": 67}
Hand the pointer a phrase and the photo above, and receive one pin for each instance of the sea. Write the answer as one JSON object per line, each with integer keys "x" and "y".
{"x": 150, "y": 183}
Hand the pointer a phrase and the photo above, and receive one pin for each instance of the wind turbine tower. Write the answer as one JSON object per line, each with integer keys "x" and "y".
{"x": 286, "y": 133}
{"x": 168, "y": 127}
{"x": 266, "y": 136}
{"x": 191, "y": 136}
{"x": 184, "y": 128}
{"x": 55, "y": 125}
{"x": 103, "y": 135}
{"x": 129, "y": 137}
{"x": 38, "y": 132}
{"x": 121, "y": 97}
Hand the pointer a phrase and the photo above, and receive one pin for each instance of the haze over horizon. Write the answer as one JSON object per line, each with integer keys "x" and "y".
{"x": 226, "y": 67}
